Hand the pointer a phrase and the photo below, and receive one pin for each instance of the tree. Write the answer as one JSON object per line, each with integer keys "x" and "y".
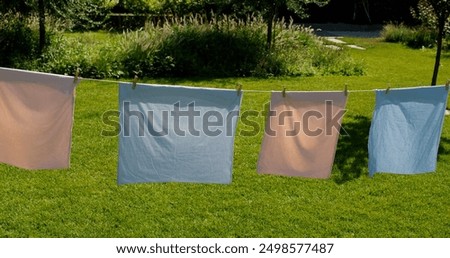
{"x": 365, "y": 5}
{"x": 436, "y": 13}
{"x": 442, "y": 11}
{"x": 269, "y": 10}
{"x": 27, "y": 7}
{"x": 42, "y": 38}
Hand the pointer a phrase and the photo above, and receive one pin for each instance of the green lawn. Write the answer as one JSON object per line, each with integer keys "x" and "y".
{"x": 85, "y": 200}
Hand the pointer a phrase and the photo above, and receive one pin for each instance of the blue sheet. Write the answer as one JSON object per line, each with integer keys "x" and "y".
{"x": 406, "y": 129}
{"x": 176, "y": 134}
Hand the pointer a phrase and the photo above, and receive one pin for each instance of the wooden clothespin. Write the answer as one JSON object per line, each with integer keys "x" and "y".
{"x": 284, "y": 92}
{"x": 135, "y": 82}
{"x": 239, "y": 89}
{"x": 447, "y": 84}
{"x": 346, "y": 90}
{"x": 388, "y": 88}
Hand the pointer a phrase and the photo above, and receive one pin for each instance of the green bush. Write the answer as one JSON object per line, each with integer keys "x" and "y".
{"x": 422, "y": 37}
{"x": 138, "y": 50}
{"x": 18, "y": 41}
{"x": 95, "y": 60}
{"x": 223, "y": 48}
{"x": 396, "y": 33}
{"x": 81, "y": 15}
{"x": 300, "y": 53}
{"x": 412, "y": 37}
{"x": 193, "y": 46}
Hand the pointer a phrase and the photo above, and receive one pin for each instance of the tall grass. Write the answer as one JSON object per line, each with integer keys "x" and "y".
{"x": 95, "y": 54}
{"x": 194, "y": 46}
{"x": 190, "y": 46}
{"x": 412, "y": 37}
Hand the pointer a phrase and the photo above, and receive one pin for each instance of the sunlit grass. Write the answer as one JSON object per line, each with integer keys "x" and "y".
{"x": 85, "y": 200}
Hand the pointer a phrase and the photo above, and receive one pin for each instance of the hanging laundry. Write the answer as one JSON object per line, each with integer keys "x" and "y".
{"x": 36, "y": 117}
{"x": 176, "y": 134}
{"x": 302, "y": 133}
{"x": 406, "y": 129}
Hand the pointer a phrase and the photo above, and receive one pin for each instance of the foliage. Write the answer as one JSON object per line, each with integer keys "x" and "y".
{"x": 299, "y": 7}
{"x": 441, "y": 8}
{"x": 81, "y": 15}
{"x": 413, "y": 37}
{"x": 138, "y": 50}
{"x": 437, "y": 12}
{"x": 240, "y": 8}
{"x": 425, "y": 14}
{"x": 94, "y": 54}
{"x": 18, "y": 40}
{"x": 78, "y": 15}
{"x": 14, "y": 6}
{"x": 220, "y": 48}
{"x": 138, "y": 6}
{"x": 422, "y": 37}
{"x": 190, "y": 46}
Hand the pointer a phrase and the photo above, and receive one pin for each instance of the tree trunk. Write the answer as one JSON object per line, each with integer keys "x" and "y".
{"x": 270, "y": 19}
{"x": 365, "y": 4}
{"x": 438, "y": 51}
{"x": 41, "y": 8}
{"x": 269, "y": 33}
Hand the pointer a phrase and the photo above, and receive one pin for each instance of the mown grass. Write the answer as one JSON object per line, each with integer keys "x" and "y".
{"x": 85, "y": 200}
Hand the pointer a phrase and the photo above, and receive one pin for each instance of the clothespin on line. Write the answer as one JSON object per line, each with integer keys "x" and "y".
{"x": 284, "y": 92}
{"x": 447, "y": 84}
{"x": 135, "y": 82}
{"x": 388, "y": 88}
{"x": 239, "y": 89}
{"x": 346, "y": 90}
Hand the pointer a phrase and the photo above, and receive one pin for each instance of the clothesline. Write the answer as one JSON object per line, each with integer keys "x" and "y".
{"x": 250, "y": 91}
{"x": 268, "y": 91}
{"x": 78, "y": 79}
{"x": 405, "y": 126}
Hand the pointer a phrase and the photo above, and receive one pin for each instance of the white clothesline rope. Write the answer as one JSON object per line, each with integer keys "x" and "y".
{"x": 244, "y": 90}
{"x": 134, "y": 82}
{"x": 268, "y": 91}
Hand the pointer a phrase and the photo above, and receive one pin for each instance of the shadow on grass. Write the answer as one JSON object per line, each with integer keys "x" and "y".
{"x": 444, "y": 147}
{"x": 351, "y": 158}
{"x": 352, "y": 154}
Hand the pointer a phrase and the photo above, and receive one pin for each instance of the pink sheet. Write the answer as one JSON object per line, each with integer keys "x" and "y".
{"x": 302, "y": 133}
{"x": 36, "y": 117}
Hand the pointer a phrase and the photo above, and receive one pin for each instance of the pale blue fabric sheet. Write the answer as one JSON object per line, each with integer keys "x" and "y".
{"x": 406, "y": 129}
{"x": 162, "y": 154}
